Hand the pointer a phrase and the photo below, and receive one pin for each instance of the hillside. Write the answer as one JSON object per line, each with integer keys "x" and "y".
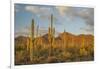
{"x": 66, "y": 47}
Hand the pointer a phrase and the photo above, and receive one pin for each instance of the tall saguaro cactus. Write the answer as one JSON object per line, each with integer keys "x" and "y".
{"x": 64, "y": 39}
{"x": 53, "y": 38}
{"x": 50, "y": 37}
{"x": 32, "y": 40}
{"x": 32, "y": 29}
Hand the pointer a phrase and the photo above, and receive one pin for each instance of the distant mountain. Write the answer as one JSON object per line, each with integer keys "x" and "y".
{"x": 75, "y": 39}
{"x": 65, "y": 36}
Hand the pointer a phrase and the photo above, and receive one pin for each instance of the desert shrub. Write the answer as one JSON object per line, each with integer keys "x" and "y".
{"x": 83, "y": 52}
{"x": 51, "y": 59}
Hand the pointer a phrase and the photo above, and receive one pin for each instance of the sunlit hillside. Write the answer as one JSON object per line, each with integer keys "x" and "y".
{"x": 65, "y": 48}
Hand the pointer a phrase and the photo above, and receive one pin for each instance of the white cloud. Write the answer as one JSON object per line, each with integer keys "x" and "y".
{"x": 38, "y": 9}
{"x": 61, "y": 9}
{"x": 32, "y": 9}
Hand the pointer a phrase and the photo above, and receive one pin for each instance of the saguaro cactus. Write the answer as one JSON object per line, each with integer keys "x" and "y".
{"x": 83, "y": 41}
{"x": 37, "y": 31}
{"x": 50, "y": 35}
{"x": 53, "y": 38}
{"x": 32, "y": 40}
{"x": 64, "y": 39}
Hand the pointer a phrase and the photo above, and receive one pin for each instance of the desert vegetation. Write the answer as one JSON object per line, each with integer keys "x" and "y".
{"x": 71, "y": 48}
{"x": 66, "y": 47}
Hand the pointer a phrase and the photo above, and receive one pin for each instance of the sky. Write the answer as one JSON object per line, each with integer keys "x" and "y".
{"x": 75, "y": 20}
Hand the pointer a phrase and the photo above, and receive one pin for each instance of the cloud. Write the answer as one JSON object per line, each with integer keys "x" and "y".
{"x": 61, "y": 9}
{"x": 88, "y": 29}
{"x": 72, "y": 12}
{"x": 87, "y": 14}
{"x": 42, "y": 12}
{"x": 38, "y": 9}
{"x": 32, "y": 9}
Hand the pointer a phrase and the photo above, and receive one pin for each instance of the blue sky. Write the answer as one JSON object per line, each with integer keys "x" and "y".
{"x": 76, "y": 20}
